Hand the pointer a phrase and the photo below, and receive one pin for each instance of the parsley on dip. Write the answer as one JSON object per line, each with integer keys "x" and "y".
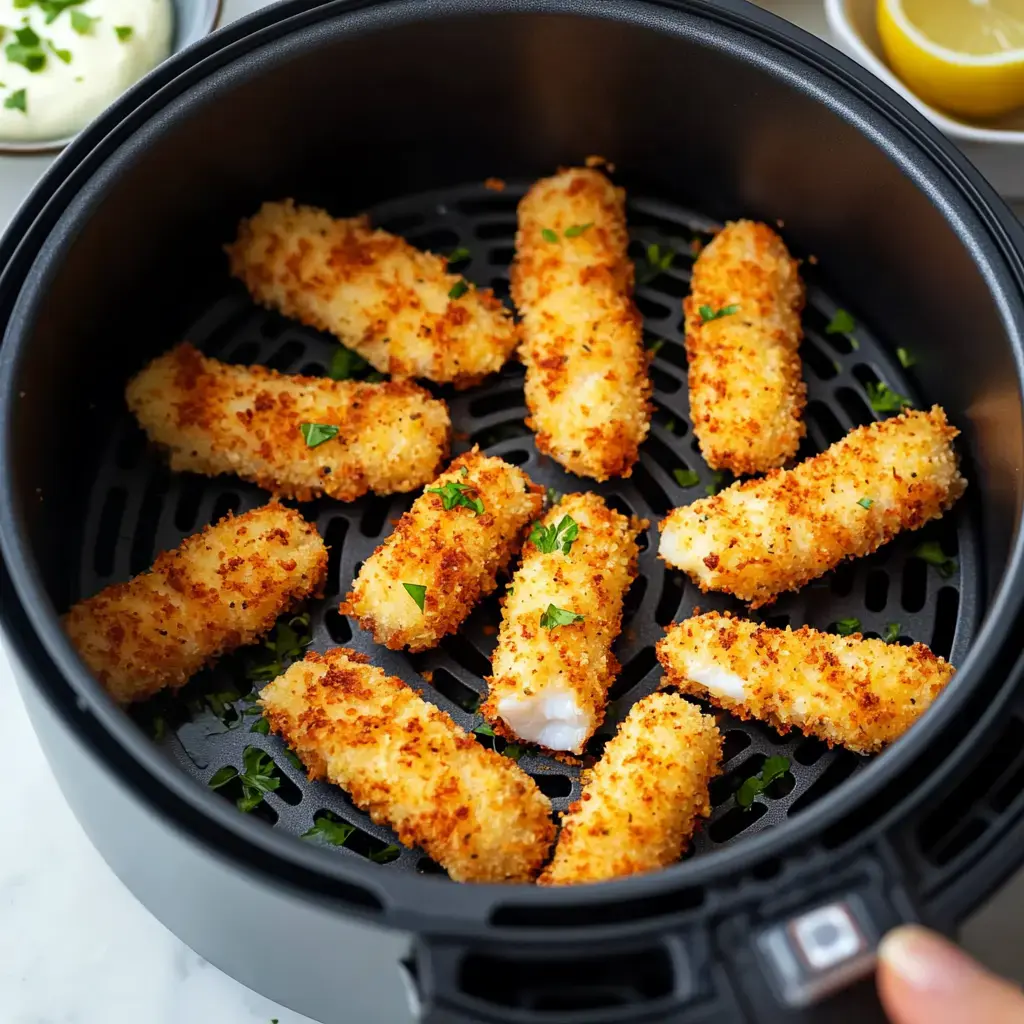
{"x": 64, "y": 61}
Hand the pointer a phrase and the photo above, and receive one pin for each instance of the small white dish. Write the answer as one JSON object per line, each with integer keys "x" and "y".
{"x": 996, "y": 148}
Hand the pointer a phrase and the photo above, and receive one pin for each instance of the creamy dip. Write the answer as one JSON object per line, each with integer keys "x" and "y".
{"x": 63, "y": 61}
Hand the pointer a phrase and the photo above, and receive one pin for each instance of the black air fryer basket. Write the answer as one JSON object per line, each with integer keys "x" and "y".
{"x": 709, "y": 110}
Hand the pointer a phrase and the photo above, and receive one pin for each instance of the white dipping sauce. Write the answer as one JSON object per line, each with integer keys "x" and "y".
{"x": 90, "y": 52}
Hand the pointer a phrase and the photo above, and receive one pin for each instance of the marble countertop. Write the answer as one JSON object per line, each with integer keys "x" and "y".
{"x": 75, "y": 945}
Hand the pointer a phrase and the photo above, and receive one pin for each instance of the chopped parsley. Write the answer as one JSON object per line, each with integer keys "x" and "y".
{"x": 548, "y": 235}
{"x": 891, "y": 633}
{"x": 258, "y": 777}
{"x": 718, "y": 479}
{"x": 459, "y": 254}
{"x": 417, "y": 591}
{"x": 557, "y": 537}
{"x": 577, "y": 229}
{"x": 51, "y": 9}
{"x": 658, "y": 260}
{"x": 866, "y": 502}
{"x": 772, "y": 769}
{"x": 385, "y": 855}
{"x": 483, "y": 729}
{"x": 124, "y": 32}
{"x": 686, "y": 477}
{"x": 316, "y": 433}
{"x": 512, "y": 750}
{"x": 285, "y": 644}
{"x": 64, "y": 55}
{"x": 330, "y": 828}
{"x": 345, "y": 364}
{"x": 27, "y": 51}
{"x": 82, "y": 23}
{"x": 458, "y": 290}
{"x": 553, "y": 496}
{"x": 707, "y": 314}
{"x": 841, "y": 323}
{"x": 845, "y": 627}
{"x": 17, "y": 101}
{"x": 932, "y": 553}
{"x": 655, "y": 346}
{"x": 905, "y": 358}
{"x": 261, "y": 726}
{"x": 883, "y": 399}
{"x": 453, "y": 494}
{"x": 558, "y": 617}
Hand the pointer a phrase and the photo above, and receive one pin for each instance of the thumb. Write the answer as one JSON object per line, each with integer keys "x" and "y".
{"x": 923, "y": 979}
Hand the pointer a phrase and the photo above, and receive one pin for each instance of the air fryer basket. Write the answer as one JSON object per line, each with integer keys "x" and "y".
{"x": 710, "y": 110}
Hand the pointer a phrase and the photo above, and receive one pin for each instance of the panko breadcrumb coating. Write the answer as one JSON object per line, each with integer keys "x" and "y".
{"x": 747, "y": 394}
{"x": 586, "y": 369}
{"x": 549, "y": 686}
{"x": 476, "y": 813}
{"x": 643, "y": 800}
{"x": 217, "y": 418}
{"x": 397, "y": 306}
{"x": 221, "y": 589}
{"x": 861, "y": 694}
{"x": 760, "y": 538}
{"x": 454, "y": 552}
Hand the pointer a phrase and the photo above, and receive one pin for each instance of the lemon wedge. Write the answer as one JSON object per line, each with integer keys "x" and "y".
{"x": 964, "y": 56}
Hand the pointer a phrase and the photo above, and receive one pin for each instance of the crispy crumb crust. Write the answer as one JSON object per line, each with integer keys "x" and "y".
{"x": 643, "y": 800}
{"x": 218, "y": 418}
{"x": 221, "y": 589}
{"x": 586, "y": 384}
{"x": 861, "y": 694}
{"x": 374, "y": 291}
{"x": 456, "y": 554}
{"x": 592, "y": 581}
{"x": 760, "y": 538}
{"x": 747, "y": 393}
{"x": 406, "y": 763}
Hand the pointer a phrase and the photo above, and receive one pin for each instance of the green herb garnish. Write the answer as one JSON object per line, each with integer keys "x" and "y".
{"x": 865, "y": 502}
{"x": 345, "y": 364}
{"x": 386, "y": 855}
{"x": 686, "y": 477}
{"x": 64, "y": 55}
{"x": 558, "y": 537}
{"x": 883, "y": 399}
{"x": 841, "y": 323}
{"x": 707, "y": 314}
{"x": 553, "y": 496}
{"x": 891, "y": 633}
{"x": 257, "y": 778}
{"x": 17, "y": 101}
{"x": 932, "y": 553}
{"x": 453, "y": 494}
{"x": 558, "y": 617}
{"x": 285, "y": 644}
{"x": 514, "y": 751}
{"x": 844, "y": 627}
{"x": 459, "y": 254}
{"x": 718, "y": 479}
{"x": 458, "y": 290}
{"x": 548, "y": 235}
{"x": 656, "y": 346}
{"x": 27, "y": 51}
{"x": 417, "y": 591}
{"x": 261, "y": 726}
{"x": 658, "y": 260}
{"x": 330, "y": 828}
{"x": 82, "y": 23}
{"x": 577, "y": 229}
{"x": 316, "y": 433}
{"x": 124, "y": 32}
{"x": 483, "y": 729}
{"x": 52, "y": 9}
{"x": 905, "y": 358}
{"x": 772, "y": 769}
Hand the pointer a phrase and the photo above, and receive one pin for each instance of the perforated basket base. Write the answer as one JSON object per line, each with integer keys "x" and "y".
{"x": 138, "y": 508}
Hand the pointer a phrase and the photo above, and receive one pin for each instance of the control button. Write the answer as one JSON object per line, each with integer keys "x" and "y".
{"x": 817, "y": 953}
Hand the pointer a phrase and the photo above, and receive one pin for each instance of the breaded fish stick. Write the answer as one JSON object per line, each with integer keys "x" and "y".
{"x": 586, "y": 368}
{"x": 551, "y": 670}
{"x": 642, "y": 801}
{"x": 444, "y": 553}
{"x": 478, "y": 814}
{"x": 861, "y": 694}
{"x": 763, "y": 537}
{"x": 221, "y": 589}
{"x": 248, "y": 420}
{"x": 397, "y": 306}
{"x": 743, "y": 334}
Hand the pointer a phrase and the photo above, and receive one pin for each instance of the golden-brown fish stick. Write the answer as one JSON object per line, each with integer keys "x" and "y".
{"x": 478, "y": 814}
{"x": 861, "y": 694}
{"x": 553, "y": 663}
{"x": 221, "y": 589}
{"x": 742, "y": 339}
{"x": 397, "y": 306}
{"x": 217, "y": 418}
{"x": 642, "y": 801}
{"x": 444, "y": 554}
{"x": 586, "y": 369}
{"x": 760, "y": 538}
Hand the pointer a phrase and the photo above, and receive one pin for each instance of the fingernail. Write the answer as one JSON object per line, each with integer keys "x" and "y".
{"x": 925, "y": 960}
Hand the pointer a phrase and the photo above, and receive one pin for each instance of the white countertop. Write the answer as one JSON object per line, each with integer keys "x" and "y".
{"x": 76, "y": 947}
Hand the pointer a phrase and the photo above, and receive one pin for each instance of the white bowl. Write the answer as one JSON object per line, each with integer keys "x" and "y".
{"x": 997, "y": 148}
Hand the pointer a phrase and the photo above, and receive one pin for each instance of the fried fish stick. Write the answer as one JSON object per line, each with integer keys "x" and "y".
{"x": 760, "y": 538}
{"x": 642, "y": 801}
{"x": 217, "y": 418}
{"x": 444, "y": 553}
{"x": 860, "y": 694}
{"x": 743, "y": 334}
{"x": 397, "y": 306}
{"x": 476, "y": 813}
{"x": 550, "y": 670}
{"x": 221, "y": 589}
{"x": 586, "y": 369}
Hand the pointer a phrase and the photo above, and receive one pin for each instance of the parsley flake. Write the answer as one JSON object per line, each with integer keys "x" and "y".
{"x": 417, "y": 591}
{"x": 345, "y": 364}
{"x": 458, "y": 255}
{"x": 124, "y": 32}
{"x": 656, "y": 346}
{"x": 454, "y": 494}
{"x": 905, "y": 358}
{"x": 316, "y": 433}
{"x": 63, "y": 55}
{"x": 548, "y": 235}
{"x": 841, "y": 323}
{"x": 458, "y": 290}
{"x": 258, "y": 777}
{"x": 558, "y": 617}
{"x": 932, "y": 553}
{"x": 557, "y": 537}
{"x": 707, "y": 314}
{"x": 717, "y": 481}
{"x": 82, "y": 23}
{"x": 772, "y": 769}
{"x": 577, "y": 229}
{"x": 51, "y": 9}
{"x": 483, "y": 729}
{"x": 845, "y": 627}
{"x": 658, "y": 260}
{"x": 330, "y": 828}
{"x": 883, "y": 399}
{"x": 27, "y": 51}
{"x": 891, "y": 633}
{"x": 386, "y": 854}
{"x": 513, "y": 750}
{"x": 686, "y": 477}
{"x": 285, "y": 644}
{"x": 553, "y": 496}
{"x": 17, "y": 101}
{"x": 866, "y": 502}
